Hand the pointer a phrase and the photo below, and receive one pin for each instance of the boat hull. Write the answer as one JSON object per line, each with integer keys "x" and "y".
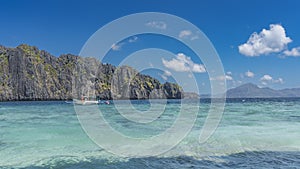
{"x": 85, "y": 102}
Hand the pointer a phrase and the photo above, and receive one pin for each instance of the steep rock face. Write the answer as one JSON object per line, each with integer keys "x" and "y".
{"x": 27, "y": 73}
{"x": 172, "y": 90}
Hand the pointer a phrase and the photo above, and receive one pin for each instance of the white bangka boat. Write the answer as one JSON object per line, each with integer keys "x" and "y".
{"x": 86, "y": 100}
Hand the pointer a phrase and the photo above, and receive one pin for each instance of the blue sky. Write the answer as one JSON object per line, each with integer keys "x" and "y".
{"x": 271, "y": 56}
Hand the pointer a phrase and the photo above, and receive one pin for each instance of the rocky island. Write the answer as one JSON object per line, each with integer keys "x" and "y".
{"x": 27, "y": 73}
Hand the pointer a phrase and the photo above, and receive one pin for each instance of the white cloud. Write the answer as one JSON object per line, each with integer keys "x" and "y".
{"x": 157, "y": 24}
{"x": 182, "y": 63}
{"x": 221, "y": 78}
{"x": 279, "y": 80}
{"x": 249, "y": 74}
{"x": 269, "y": 79}
{"x": 294, "y": 52}
{"x": 197, "y": 67}
{"x": 235, "y": 83}
{"x": 167, "y": 73}
{"x": 117, "y": 47}
{"x": 164, "y": 77}
{"x": 133, "y": 39}
{"x": 227, "y": 76}
{"x": 185, "y": 33}
{"x": 188, "y": 34}
{"x": 266, "y": 78}
{"x": 269, "y": 41}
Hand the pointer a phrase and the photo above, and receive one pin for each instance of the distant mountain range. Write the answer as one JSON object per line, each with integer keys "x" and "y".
{"x": 250, "y": 90}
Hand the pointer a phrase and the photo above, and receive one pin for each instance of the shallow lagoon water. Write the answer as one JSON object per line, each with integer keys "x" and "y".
{"x": 253, "y": 133}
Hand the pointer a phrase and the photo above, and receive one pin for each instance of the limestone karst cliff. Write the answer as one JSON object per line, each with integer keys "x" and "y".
{"x": 27, "y": 73}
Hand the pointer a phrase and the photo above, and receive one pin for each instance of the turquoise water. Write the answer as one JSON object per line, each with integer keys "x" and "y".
{"x": 252, "y": 134}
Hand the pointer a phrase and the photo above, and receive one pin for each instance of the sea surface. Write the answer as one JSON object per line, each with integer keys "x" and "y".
{"x": 253, "y": 133}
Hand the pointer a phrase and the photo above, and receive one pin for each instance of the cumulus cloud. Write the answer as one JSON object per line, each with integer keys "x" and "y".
{"x": 164, "y": 77}
{"x": 185, "y": 33}
{"x": 279, "y": 80}
{"x": 221, "y": 78}
{"x": 249, "y": 74}
{"x": 166, "y": 74}
{"x": 264, "y": 83}
{"x": 295, "y": 52}
{"x": 188, "y": 34}
{"x": 269, "y": 41}
{"x": 269, "y": 79}
{"x": 157, "y": 24}
{"x": 183, "y": 63}
{"x": 227, "y": 76}
{"x": 133, "y": 39}
{"x": 266, "y": 78}
{"x": 229, "y": 73}
{"x": 117, "y": 47}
